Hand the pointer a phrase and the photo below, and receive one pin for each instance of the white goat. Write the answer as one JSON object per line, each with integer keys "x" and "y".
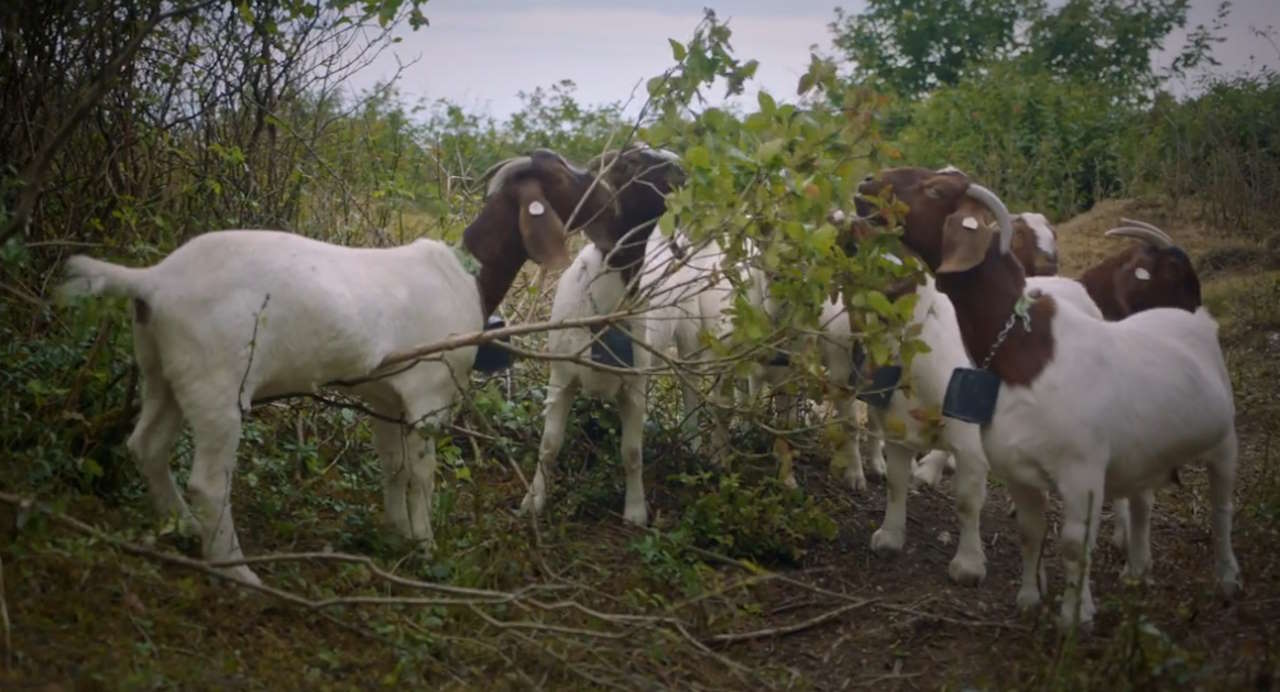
{"x": 680, "y": 297}
{"x": 1087, "y": 408}
{"x": 233, "y": 316}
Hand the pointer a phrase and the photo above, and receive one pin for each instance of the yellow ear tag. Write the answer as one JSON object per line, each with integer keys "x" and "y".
{"x": 536, "y": 208}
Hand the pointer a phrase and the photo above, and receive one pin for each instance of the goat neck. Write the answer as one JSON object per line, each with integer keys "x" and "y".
{"x": 984, "y": 299}
{"x": 495, "y": 276}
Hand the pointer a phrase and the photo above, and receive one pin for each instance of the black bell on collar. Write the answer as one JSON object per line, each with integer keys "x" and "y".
{"x": 884, "y": 380}
{"x": 878, "y": 391}
{"x": 971, "y": 395}
{"x": 612, "y": 347}
{"x": 779, "y": 358}
{"x": 490, "y": 357}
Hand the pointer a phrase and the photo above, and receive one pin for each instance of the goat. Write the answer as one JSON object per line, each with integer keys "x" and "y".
{"x": 231, "y": 316}
{"x": 601, "y": 280}
{"x": 835, "y": 347}
{"x": 1087, "y": 408}
{"x": 1151, "y": 274}
{"x": 1035, "y": 244}
{"x": 1154, "y": 273}
{"x": 910, "y": 423}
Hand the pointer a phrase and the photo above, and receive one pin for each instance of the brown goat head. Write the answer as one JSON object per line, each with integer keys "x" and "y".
{"x": 1155, "y": 273}
{"x": 1035, "y": 244}
{"x": 528, "y": 200}
{"x": 641, "y": 178}
{"x": 945, "y": 222}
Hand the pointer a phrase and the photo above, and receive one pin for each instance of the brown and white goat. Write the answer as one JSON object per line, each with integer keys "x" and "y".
{"x": 1086, "y": 408}
{"x": 626, "y": 263}
{"x": 232, "y": 316}
{"x": 1153, "y": 273}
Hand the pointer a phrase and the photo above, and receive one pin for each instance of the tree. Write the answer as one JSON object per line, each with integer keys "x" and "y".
{"x": 909, "y": 47}
{"x": 68, "y": 67}
{"x": 1109, "y": 41}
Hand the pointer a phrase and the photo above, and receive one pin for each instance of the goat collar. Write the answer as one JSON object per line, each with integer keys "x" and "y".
{"x": 469, "y": 263}
{"x": 1021, "y": 312}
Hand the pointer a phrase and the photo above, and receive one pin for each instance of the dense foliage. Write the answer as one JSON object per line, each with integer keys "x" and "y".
{"x": 128, "y": 127}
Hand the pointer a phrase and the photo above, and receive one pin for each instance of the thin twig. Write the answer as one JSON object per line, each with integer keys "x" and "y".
{"x": 4, "y": 621}
{"x": 731, "y": 637}
{"x": 253, "y": 345}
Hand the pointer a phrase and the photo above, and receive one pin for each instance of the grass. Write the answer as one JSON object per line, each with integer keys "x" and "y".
{"x": 86, "y": 614}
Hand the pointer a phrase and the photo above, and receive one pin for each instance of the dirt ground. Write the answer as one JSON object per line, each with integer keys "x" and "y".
{"x": 84, "y": 615}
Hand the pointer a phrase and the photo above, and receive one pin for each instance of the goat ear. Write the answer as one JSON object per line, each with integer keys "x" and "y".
{"x": 947, "y": 186}
{"x": 540, "y": 227}
{"x": 965, "y": 239}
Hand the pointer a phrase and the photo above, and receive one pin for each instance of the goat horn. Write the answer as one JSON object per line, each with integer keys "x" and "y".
{"x": 1154, "y": 237}
{"x": 1136, "y": 222}
{"x": 499, "y": 172}
{"x": 1164, "y": 237}
{"x": 573, "y": 168}
{"x": 992, "y": 202}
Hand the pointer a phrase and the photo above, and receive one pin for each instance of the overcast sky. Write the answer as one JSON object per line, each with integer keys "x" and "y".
{"x": 481, "y": 53}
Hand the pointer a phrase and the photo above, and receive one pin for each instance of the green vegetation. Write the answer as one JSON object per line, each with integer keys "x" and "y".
{"x": 218, "y": 117}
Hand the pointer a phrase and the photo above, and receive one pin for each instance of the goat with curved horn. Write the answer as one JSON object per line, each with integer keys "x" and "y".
{"x": 997, "y": 207}
{"x": 1140, "y": 230}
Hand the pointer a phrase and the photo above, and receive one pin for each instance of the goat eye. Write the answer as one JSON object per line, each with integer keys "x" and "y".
{"x": 536, "y": 208}
{"x": 1142, "y": 274}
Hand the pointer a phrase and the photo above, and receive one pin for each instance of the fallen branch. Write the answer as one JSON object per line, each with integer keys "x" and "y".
{"x": 790, "y": 629}
{"x": 756, "y": 569}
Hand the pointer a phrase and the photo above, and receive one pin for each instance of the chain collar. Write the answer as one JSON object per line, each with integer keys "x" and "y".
{"x": 1021, "y": 311}
{"x": 469, "y": 263}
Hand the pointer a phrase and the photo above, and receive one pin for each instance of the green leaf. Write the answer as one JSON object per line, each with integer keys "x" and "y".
{"x": 878, "y": 302}
{"x": 698, "y": 157}
{"x": 678, "y": 51}
{"x": 767, "y": 104}
{"x": 769, "y": 149}
{"x": 246, "y": 13}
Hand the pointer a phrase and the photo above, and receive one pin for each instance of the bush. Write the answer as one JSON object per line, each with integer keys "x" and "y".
{"x": 1222, "y": 147}
{"x": 1046, "y": 144}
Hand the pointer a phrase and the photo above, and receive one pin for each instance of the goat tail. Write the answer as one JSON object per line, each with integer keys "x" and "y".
{"x": 86, "y": 276}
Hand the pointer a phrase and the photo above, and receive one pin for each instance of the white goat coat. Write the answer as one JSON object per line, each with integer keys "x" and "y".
{"x": 232, "y": 316}
{"x": 1116, "y": 410}
{"x": 681, "y": 298}
{"x": 333, "y": 312}
{"x": 1157, "y": 370}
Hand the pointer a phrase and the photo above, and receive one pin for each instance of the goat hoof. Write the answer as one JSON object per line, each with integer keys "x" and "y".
{"x": 1028, "y": 601}
{"x": 531, "y": 503}
{"x": 1120, "y": 538}
{"x": 923, "y": 477}
{"x": 242, "y": 574}
{"x": 1230, "y": 588}
{"x": 637, "y": 516}
{"x": 1083, "y": 628}
{"x": 965, "y": 572}
{"x": 879, "y": 468}
{"x": 886, "y": 542}
{"x": 1136, "y": 577}
{"x": 857, "y": 482}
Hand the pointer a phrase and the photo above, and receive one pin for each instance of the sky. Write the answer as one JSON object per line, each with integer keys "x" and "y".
{"x": 482, "y": 53}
